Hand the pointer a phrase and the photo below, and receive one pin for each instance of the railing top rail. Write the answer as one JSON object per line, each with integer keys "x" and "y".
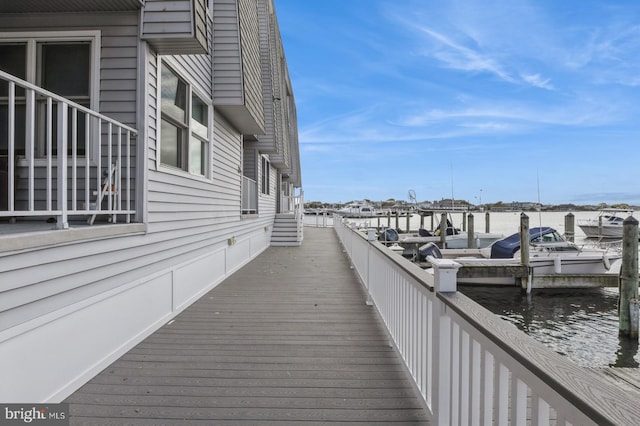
{"x": 601, "y": 401}
{"x": 413, "y": 270}
{"x": 44, "y": 92}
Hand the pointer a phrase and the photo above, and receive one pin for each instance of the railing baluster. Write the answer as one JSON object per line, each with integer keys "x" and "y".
{"x": 502, "y": 397}
{"x": 61, "y": 192}
{"x": 99, "y": 165}
{"x": 87, "y": 161}
{"x": 11, "y": 145}
{"x": 74, "y": 159}
{"x": 109, "y": 167}
{"x": 30, "y": 146}
{"x": 49, "y": 126}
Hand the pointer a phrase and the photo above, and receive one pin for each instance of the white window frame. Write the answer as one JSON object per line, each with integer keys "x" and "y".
{"x": 32, "y": 38}
{"x": 194, "y": 129}
{"x": 265, "y": 175}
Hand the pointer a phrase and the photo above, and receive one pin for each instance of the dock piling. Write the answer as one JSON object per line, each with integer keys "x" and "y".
{"x": 569, "y": 227}
{"x": 628, "y": 321}
{"x": 486, "y": 222}
{"x": 524, "y": 247}
{"x": 471, "y": 243}
{"x": 443, "y": 230}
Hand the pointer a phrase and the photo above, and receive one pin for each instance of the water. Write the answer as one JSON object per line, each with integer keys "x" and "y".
{"x": 577, "y": 323}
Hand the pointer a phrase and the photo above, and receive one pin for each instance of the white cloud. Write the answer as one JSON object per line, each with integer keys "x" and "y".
{"x": 537, "y": 81}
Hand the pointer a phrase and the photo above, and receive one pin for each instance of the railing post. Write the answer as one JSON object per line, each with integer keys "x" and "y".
{"x": 441, "y": 368}
{"x": 371, "y": 237}
{"x": 61, "y": 193}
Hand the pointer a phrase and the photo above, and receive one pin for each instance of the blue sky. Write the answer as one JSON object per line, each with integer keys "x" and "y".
{"x": 491, "y": 99}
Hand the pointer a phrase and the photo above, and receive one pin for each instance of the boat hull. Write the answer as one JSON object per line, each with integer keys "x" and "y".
{"x": 594, "y": 231}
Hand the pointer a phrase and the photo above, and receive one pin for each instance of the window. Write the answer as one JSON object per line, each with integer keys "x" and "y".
{"x": 266, "y": 172}
{"x": 62, "y": 65}
{"x": 184, "y": 131}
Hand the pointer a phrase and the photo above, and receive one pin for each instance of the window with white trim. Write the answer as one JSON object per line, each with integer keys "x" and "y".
{"x": 184, "y": 131}
{"x": 265, "y": 176}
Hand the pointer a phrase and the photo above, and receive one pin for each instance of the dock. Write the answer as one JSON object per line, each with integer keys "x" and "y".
{"x": 286, "y": 339}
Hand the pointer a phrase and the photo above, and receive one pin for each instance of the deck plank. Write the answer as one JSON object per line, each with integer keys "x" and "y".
{"x": 286, "y": 339}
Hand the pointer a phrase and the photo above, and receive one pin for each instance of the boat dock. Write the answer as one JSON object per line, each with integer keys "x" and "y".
{"x": 286, "y": 339}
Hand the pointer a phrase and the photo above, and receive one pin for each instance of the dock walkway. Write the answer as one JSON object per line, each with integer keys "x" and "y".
{"x": 287, "y": 339}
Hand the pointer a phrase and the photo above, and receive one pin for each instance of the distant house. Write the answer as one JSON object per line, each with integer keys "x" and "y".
{"x": 148, "y": 149}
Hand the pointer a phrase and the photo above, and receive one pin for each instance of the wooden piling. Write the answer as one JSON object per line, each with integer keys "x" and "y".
{"x": 524, "y": 239}
{"x": 464, "y": 221}
{"x": 570, "y": 227}
{"x": 629, "y": 279}
{"x": 398, "y": 219}
{"x": 408, "y": 222}
{"x": 471, "y": 241}
{"x": 422, "y": 221}
{"x": 389, "y": 219}
{"x": 486, "y": 222}
{"x": 443, "y": 230}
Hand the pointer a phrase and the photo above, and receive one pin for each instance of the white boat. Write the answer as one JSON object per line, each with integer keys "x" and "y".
{"x": 357, "y": 209}
{"x": 549, "y": 254}
{"x": 607, "y": 224}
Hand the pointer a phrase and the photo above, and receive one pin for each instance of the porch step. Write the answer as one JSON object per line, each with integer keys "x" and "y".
{"x": 287, "y": 232}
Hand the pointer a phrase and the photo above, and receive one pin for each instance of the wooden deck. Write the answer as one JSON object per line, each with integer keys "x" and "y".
{"x": 288, "y": 339}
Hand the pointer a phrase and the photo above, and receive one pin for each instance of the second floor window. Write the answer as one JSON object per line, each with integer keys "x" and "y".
{"x": 184, "y": 133}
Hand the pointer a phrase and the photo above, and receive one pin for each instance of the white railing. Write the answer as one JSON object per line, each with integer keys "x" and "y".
{"x": 249, "y": 196}
{"x": 471, "y": 367}
{"x": 93, "y": 178}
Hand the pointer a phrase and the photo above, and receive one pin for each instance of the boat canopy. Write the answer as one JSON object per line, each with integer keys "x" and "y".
{"x": 506, "y": 247}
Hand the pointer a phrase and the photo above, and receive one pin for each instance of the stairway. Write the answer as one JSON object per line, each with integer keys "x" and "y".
{"x": 287, "y": 231}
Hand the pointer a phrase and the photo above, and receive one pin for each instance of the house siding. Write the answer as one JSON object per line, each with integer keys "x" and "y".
{"x": 252, "y": 71}
{"x": 67, "y": 310}
{"x": 237, "y": 72}
{"x": 175, "y": 26}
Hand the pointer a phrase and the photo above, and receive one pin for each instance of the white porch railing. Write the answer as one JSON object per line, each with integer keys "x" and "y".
{"x": 93, "y": 178}
{"x": 471, "y": 367}
{"x": 249, "y": 196}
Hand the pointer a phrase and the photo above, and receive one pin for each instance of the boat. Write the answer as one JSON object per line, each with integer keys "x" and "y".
{"x": 607, "y": 224}
{"x": 549, "y": 254}
{"x": 455, "y": 238}
{"x": 357, "y": 209}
